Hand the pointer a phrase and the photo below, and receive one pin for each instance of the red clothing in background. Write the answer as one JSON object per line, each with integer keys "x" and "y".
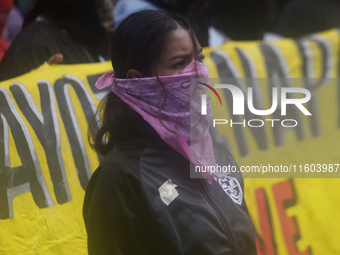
{"x": 5, "y": 7}
{"x": 3, "y": 48}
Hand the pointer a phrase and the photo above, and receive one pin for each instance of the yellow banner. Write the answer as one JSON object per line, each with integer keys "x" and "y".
{"x": 46, "y": 161}
{"x": 299, "y": 215}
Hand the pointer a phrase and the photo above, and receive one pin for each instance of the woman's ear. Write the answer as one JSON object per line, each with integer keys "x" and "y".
{"x": 132, "y": 73}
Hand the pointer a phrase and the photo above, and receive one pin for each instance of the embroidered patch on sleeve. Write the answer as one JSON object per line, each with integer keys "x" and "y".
{"x": 232, "y": 187}
{"x": 168, "y": 192}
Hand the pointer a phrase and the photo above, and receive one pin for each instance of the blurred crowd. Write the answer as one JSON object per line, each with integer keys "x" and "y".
{"x": 79, "y": 31}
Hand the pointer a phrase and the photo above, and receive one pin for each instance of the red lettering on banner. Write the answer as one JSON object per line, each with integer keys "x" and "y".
{"x": 285, "y": 197}
{"x": 266, "y": 245}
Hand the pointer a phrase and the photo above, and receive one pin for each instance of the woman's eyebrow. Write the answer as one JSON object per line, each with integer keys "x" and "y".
{"x": 185, "y": 55}
{"x": 180, "y": 56}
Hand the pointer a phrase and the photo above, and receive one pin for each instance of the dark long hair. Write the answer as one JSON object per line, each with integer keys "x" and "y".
{"x": 136, "y": 44}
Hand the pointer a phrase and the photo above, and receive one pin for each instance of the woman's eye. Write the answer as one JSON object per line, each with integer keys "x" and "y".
{"x": 179, "y": 65}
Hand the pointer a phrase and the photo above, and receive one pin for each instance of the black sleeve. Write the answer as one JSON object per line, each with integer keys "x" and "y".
{"x": 115, "y": 216}
{"x": 22, "y": 58}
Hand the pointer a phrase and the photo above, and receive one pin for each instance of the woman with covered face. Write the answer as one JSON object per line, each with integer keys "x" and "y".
{"x": 141, "y": 199}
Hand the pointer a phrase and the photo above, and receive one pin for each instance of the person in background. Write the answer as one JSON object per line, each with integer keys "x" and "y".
{"x": 241, "y": 20}
{"x": 302, "y": 17}
{"x": 123, "y": 8}
{"x": 14, "y": 25}
{"x": 66, "y": 31}
{"x": 5, "y": 7}
{"x": 195, "y": 11}
{"x": 25, "y": 6}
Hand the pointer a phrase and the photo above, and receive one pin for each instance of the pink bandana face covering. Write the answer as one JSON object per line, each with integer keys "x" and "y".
{"x": 182, "y": 127}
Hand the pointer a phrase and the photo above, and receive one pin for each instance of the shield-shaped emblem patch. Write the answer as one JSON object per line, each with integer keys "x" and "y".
{"x": 232, "y": 187}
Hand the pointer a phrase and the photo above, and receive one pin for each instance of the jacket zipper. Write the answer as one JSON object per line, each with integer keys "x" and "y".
{"x": 219, "y": 211}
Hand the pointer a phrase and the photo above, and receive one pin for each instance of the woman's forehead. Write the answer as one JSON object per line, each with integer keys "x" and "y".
{"x": 179, "y": 43}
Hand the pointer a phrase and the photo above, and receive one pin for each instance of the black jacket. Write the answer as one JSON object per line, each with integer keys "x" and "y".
{"x": 126, "y": 211}
{"x": 37, "y": 43}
